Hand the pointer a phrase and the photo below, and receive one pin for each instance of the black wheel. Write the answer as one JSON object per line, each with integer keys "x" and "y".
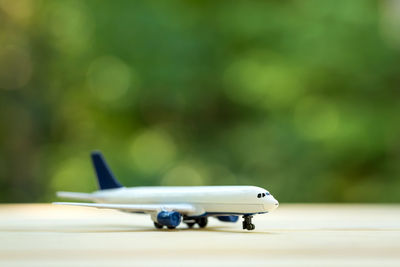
{"x": 251, "y": 227}
{"x": 190, "y": 224}
{"x": 157, "y": 225}
{"x": 247, "y": 223}
{"x": 202, "y": 222}
{"x": 171, "y": 227}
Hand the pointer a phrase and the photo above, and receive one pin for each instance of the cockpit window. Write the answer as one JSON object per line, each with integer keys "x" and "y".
{"x": 260, "y": 195}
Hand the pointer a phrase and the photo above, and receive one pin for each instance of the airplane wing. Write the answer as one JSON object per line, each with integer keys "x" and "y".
{"x": 186, "y": 209}
{"x": 76, "y": 195}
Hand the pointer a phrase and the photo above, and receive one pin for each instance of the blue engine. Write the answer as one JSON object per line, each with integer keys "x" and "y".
{"x": 229, "y": 218}
{"x": 169, "y": 218}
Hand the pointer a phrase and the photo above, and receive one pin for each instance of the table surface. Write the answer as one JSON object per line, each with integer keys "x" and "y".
{"x": 295, "y": 234}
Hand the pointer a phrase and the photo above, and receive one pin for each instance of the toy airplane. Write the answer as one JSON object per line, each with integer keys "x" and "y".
{"x": 169, "y": 206}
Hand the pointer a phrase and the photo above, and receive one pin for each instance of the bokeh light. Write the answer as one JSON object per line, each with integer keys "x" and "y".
{"x": 152, "y": 150}
{"x": 183, "y": 175}
{"x": 109, "y": 78}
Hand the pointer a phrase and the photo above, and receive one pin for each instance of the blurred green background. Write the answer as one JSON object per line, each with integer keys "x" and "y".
{"x": 299, "y": 97}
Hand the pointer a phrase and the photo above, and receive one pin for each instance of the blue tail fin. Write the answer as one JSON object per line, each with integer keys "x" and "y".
{"x": 105, "y": 178}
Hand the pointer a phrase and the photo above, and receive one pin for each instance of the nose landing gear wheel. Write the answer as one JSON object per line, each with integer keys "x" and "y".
{"x": 247, "y": 223}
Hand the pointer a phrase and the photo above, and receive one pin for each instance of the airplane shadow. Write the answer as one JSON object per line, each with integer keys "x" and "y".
{"x": 125, "y": 229}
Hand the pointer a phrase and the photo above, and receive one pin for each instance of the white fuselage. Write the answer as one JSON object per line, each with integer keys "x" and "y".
{"x": 210, "y": 200}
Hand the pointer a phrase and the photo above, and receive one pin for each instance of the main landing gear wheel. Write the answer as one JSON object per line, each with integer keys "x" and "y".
{"x": 157, "y": 225}
{"x": 247, "y": 223}
{"x": 190, "y": 224}
{"x": 202, "y": 222}
{"x": 171, "y": 227}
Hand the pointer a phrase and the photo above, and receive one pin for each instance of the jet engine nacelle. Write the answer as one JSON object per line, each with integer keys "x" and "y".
{"x": 169, "y": 218}
{"x": 228, "y": 218}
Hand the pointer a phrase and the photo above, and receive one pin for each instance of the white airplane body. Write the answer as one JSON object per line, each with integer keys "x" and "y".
{"x": 169, "y": 205}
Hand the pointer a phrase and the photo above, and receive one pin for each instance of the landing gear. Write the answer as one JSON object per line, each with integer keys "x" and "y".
{"x": 190, "y": 224}
{"x": 202, "y": 222}
{"x": 247, "y": 222}
{"x": 158, "y": 225}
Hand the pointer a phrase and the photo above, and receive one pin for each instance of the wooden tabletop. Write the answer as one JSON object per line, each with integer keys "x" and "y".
{"x": 295, "y": 234}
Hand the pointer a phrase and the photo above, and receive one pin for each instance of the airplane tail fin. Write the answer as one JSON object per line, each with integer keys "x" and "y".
{"x": 105, "y": 178}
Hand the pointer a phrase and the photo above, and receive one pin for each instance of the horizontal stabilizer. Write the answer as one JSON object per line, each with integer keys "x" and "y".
{"x": 75, "y": 195}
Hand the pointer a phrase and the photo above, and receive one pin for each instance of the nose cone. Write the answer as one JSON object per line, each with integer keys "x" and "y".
{"x": 271, "y": 203}
{"x": 276, "y": 203}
